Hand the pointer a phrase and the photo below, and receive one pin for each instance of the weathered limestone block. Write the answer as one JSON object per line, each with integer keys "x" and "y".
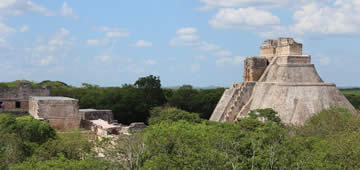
{"x": 296, "y": 102}
{"x": 17, "y": 99}
{"x": 254, "y": 67}
{"x": 281, "y": 47}
{"x": 232, "y": 101}
{"x": 61, "y": 112}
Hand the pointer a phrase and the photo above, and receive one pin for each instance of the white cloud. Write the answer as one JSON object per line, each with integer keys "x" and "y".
{"x": 113, "y": 32}
{"x": 19, "y": 7}
{"x": 4, "y": 29}
{"x": 4, "y": 43}
{"x": 24, "y": 28}
{"x": 188, "y": 37}
{"x": 67, "y": 11}
{"x": 186, "y": 30}
{"x": 93, "y": 42}
{"x": 102, "y": 58}
{"x": 7, "y": 3}
{"x": 209, "y": 4}
{"x": 243, "y": 18}
{"x": 150, "y": 62}
{"x": 223, "y": 53}
{"x": 339, "y": 17}
{"x": 59, "y": 39}
{"x": 117, "y": 34}
{"x": 47, "y": 60}
{"x": 223, "y": 61}
{"x": 57, "y": 45}
{"x": 143, "y": 43}
{"x": 205, "y": 46}
{"x": 195, "y": 68}
{"x": 238, "y": 59}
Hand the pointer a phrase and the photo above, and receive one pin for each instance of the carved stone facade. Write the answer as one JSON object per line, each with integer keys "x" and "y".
{"x": 17, "y": 99}
{"x": 282, "y": 79}
{"x": 254, "y": 67}
{"x": 280, "y": 47}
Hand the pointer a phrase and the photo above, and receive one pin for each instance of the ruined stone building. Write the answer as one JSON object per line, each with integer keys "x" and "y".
{"x": 94, "y": 114}
{"x": 60, "y": 112}
{"x": 102, "y": 123}
{"x": 17, "y": 99}
{"x": 283, "y": 79}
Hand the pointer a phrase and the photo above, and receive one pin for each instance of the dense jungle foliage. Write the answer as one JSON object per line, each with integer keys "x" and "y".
{"x": 179, "y": 136}
{"x": 177, "y": 139}
{"x": 353, "y": 95}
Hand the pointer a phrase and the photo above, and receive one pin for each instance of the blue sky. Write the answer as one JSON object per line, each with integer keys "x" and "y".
{"x": 197, "y": 42}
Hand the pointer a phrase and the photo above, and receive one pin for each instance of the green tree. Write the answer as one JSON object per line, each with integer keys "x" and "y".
{"x": 72, "y": 145}
{"x": 63, "y": 163}
{"x": 159, "y": 114}
{"x": 267, "y": 114}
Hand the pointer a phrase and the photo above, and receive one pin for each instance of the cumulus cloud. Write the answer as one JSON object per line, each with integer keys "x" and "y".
{"x": 67, "y": 11}
{"x": 143, "y": 43}
{"x": 223, "y": 53}
{"x": 223, "y": 61}
{"x": 339, "y": 17}
{"x": 335, "y": 17}
{"x": 5, "y": 31}
{"x": 243, "y": 18}
{"x": 238, "y": 59}
{"x": 24, "y": 28}
{"x": 19, "y": 7}
{"x": 210, "y": 4}
{"x": 57, "y": 45}
{"x": 186, "y": 31}
{"x": 113, "y": 32}
{"x": 117, "y": 34}
{"x": 188, "y": 37}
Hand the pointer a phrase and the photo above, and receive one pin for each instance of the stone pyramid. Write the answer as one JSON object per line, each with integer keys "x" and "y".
{"x": 282, "y": 79}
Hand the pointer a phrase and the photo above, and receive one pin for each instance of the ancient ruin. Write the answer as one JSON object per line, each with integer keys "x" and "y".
{"x": 283, "y": 79}
{"x": 94, "y": 114}
{"x": 17, "y": 99}
{"x": 60, "y": 112}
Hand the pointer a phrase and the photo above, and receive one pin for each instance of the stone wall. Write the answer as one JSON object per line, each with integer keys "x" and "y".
{"x": 254, "y": 67}
{"x": 61, "y": 112}
{"x": 17, "y": 99}
{"x": 93, "y": 114}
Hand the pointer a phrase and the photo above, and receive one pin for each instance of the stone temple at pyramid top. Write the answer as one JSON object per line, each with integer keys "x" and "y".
{"x": 280, "y": 47}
